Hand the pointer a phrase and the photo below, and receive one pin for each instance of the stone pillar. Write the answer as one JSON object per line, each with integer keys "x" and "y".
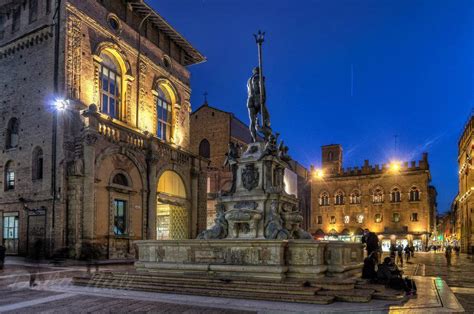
{"x": 194, "y": 201}
{"x": 152, "y": 161}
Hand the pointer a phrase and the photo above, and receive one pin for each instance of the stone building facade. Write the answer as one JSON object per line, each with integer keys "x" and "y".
{"x": 211, "y": 132}
{"x": 465, "y": 198}
{"x": 396, "y": 201}
{"x": 96, "y": 137}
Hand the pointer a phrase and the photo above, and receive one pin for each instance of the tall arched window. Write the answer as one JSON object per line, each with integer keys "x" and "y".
{"x": 110, "y": 85}
{"x": 164, "y": 114}
{"x": 414, "y": 194}
{"x": 378, "y": 196}
{"x": 205, "y": 149}
{"x": 339, "y": 198}
{"x": 355, "y": 197}
{"x": 324, "y": 199}
{"x": 395, "y": 195}
{"x": 37, "y": 164}
{"x": 9, "y": 176}
{"x": 12, "y": 133}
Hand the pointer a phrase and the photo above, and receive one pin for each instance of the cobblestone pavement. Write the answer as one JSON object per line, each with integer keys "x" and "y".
{"x": 459, "y": 276}
{"x": 17, "y": 297}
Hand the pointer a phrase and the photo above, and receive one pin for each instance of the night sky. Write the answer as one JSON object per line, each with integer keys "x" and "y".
{"x": 386, "y": 79}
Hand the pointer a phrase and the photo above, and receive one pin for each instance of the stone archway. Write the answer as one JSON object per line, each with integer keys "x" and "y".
{"x": 172, "y": 214}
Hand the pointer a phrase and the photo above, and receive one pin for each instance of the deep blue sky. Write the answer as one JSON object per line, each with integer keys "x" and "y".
{"x": 413, "y": 65}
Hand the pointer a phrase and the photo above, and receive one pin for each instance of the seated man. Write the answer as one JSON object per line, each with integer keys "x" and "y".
{"x": 368, "y": 271}
{"x": 389, "y": 274}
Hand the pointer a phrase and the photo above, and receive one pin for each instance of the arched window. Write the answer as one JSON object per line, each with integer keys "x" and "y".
{"x": 164, "y": 114}
{"x": 37, "y": 164}
{"x": 377, "y": 197}
{"x": 12, "y": 133}
{"x": 414, "y": 194}
{"x": 355, "y": 197}
{"x": 110, "y": 85}
{"x": 120, "y": 179}
{"x": 395, "y": 195}
{"x": 324, "y": 199}
{"x": 205, "y": 149}
{"x": 9, "y": 176}
{"x": 378, "y": 218}
{"x": 339, "y": 198}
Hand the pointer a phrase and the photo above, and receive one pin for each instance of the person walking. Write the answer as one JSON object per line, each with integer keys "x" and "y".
{"x": 448, "y": 252}
{"x": 407, "y": 253}
{"x": 3, "y": 251}
{"x": 400, "y": 255}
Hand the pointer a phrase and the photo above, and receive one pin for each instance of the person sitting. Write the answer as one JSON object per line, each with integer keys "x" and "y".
{"x": 370, "y": 263}
{"x": 389, "y": 274}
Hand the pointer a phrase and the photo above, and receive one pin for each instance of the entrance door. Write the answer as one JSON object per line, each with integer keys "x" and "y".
{"x": 10, "y": 232}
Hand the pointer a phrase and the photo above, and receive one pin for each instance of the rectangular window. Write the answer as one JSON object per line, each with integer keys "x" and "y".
{"x": 120, "y": 224}
{"x": 396, "y": 217}
{"x": 10, "y": 180}
{"x": 10, "y": 227}
{"x": 332, "y": 220}
{"x": 414, "y": 217}
{"x": 16, "y": 19}
{"x": 33, "y": 11}
{"x": 2, "y": 26}
{"x": 164, "y": 120}
{"x": 110, "y": 91}
{"x": 48, "y": 6}
{"x": 378, "y": 218}
{"x": 320, "y": 220}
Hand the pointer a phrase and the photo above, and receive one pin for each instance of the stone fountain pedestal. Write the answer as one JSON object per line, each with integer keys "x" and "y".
{"x": 257, "y": 233}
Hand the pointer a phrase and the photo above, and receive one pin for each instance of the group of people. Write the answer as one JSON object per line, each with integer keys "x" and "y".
{"x": 397, "y": 252}
{"x": 387, "y": 272}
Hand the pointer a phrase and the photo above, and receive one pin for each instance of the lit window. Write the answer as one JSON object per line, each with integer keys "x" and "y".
{"x": 324, "y": 199}
{"x": 414, "y": 194}
{"x": 396, "y": 217}
{"x": 346, "y": 219}
{"x": 414, "y": 217}
{"x": 378, "y": 196}
{"x": 355, "y": 197}
{"x": 339, "y": 199}
{"x": 120, "y": 216}
{"x": 395, "y": 195}
{"x": 10, "y": 227}
{"x": 9, "y": 177}
{"x": 332, "y": 220}
{"x": 378, "y": 218}
{"x": 110, "y": 86}
{"x": 360, "y": 218}
{"x": 164, "y": 113}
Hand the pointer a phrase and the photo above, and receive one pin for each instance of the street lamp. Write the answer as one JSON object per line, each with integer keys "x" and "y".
{"x": 60, "y": 104}
{"x": 395, "y": 166}
{"x": 318, "y": 174}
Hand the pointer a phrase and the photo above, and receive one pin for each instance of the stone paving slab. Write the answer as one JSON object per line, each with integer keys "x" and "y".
{"x": 433, "y": 296}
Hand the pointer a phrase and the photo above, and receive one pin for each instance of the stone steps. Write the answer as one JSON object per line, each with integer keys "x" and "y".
{"x": 322, "y": 291}
{"x": 254, "y": 292}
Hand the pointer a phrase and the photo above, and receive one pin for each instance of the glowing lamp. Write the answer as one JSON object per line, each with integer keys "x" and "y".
{"x": 60, "y": 104}
{"x": 318, "y": 174}
{"x": 395, "y": 166}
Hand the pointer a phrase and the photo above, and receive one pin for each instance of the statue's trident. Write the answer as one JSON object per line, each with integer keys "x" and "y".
{"x": 259, "y": 39}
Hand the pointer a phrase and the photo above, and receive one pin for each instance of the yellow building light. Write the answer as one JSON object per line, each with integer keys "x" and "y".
{"x": 318, "y": 174}
{"x": 395, "y": 166}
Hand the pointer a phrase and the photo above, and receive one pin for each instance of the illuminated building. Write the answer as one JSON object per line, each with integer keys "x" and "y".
{"x": 394, "y": 200}
{"x": 123, "y": 170}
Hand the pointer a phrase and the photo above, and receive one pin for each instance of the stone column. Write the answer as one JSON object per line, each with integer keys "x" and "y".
{"x": 152, "y": 161}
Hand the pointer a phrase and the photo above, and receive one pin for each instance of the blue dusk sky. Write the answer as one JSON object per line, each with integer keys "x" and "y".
{"x": 385, "y": 79}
